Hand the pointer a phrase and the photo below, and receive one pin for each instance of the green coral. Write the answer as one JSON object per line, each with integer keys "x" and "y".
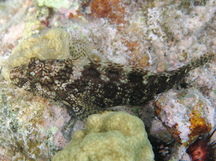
{"x": 115, "y": 136}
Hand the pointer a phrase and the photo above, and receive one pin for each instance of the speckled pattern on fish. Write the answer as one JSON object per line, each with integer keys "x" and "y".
{"x": 89, "y": 86}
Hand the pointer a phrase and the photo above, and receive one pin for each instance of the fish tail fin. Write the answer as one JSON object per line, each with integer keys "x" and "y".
{"x": 196, "y": 62}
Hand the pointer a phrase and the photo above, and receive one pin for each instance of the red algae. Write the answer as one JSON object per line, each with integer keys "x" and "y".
{"x": 114, "y": 10}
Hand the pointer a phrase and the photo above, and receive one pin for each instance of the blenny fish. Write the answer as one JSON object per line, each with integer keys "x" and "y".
{"x": 89, "y": 86}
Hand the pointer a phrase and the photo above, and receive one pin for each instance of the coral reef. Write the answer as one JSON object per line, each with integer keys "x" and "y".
{"x": 186, "y": 114}
{"x": 109, "y": 136}
{"x": 32, "y": 129}
{"x": 156, "y": 35}
{"x": 185, "y": 119}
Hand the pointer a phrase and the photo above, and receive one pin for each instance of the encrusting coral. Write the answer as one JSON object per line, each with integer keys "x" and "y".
{"x": 115, "y": 136}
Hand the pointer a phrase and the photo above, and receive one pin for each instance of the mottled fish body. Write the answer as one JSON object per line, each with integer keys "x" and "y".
{"x": 90, "y": 86}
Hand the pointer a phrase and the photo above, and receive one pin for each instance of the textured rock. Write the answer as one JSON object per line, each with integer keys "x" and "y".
{"x": 114, "y": 10}
{"x": 185, "y": 114}
{"x": 32, "y": 129}
{"x": 56, "y": 4}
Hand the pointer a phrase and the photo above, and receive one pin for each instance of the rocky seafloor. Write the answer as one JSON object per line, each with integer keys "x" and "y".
{"x": 153, "y": 35}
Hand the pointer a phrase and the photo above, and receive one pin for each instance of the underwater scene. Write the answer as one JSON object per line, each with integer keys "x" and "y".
{"x": 107, "y": 80}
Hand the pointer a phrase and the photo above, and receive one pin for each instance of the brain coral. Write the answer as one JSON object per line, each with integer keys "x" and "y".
{"x": 115, "y": 136}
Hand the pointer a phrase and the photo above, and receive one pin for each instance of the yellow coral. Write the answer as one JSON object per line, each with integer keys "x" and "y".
{"x": 115, "y": 136}
{"x": 53, "y": 44}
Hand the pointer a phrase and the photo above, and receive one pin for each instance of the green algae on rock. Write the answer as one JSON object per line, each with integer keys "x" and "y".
{"x": 115, "y": 136}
